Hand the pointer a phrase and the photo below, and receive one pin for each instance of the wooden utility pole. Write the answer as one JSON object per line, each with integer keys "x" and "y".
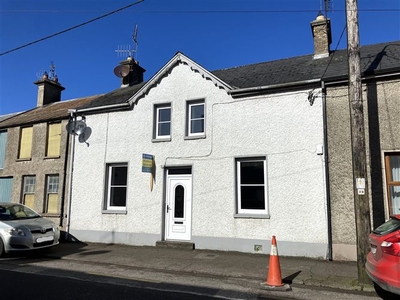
{"x": 361, "y": 202}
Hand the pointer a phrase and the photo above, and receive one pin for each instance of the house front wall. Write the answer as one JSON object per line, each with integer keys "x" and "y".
{"x": 381, "y": 109}
{"x": 38, "y": 165}
{"x": 284, "y": 128}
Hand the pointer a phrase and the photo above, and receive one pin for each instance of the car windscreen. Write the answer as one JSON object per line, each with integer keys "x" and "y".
{"x": 15, "y": 212}
{"x": 389, "y": 226}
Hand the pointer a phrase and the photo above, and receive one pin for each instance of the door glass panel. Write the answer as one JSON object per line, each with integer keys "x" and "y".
{"x": 179, "y": 201}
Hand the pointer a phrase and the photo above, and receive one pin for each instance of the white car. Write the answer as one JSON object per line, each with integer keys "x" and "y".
{"x": 22, "y": 229}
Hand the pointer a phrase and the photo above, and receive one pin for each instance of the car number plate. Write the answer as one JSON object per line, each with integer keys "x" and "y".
{"x": 373, "y": 250}
{"x": 44, "y": 239}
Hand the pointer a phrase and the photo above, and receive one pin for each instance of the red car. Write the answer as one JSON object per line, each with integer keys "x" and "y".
{"x": 383, "y": 261}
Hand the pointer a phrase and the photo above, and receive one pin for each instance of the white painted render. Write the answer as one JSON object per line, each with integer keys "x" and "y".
{"x": 283, "y": 127}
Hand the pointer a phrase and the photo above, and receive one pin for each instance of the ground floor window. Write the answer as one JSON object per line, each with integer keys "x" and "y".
{"x": 116, "y": 186}
{"x": 52, "y": 184}
{"x": 251, "y": 178}
{"x": 392, "y": 167}
{"x": 28, "y": 191}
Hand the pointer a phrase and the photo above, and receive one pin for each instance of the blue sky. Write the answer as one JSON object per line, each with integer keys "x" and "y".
{"x": 217, "y": 34}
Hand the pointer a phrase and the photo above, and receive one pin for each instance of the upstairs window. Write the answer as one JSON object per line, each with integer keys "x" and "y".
{"x": 3, "y": 142}
{"x": 116, "y": 187}
{"x": 28, "y": 191}
{"x": 52, "y": 197}
{"x": 25, "y": 143}
{"x": 53, "y": 140}
{"x": 163, "y": 121}
{"x": 251, "y": 178}
{"x": 196, "y": 119}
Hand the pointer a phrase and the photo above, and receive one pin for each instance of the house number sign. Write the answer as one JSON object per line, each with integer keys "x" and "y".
{"x": 360, "y": 185}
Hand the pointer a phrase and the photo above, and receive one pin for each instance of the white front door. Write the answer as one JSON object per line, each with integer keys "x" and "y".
{"x": 178, "y": 208}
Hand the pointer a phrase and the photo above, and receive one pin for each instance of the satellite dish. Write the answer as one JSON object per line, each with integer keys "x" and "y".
{"x": 84, "y": 136}
{"x": 76, "y": 127}
{"x": 121, "y": 70}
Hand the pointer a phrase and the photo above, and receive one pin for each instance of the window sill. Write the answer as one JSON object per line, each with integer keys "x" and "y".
{"x": 159, "y": 140}
{"x": 117, "y": 212}
{"x": 49, "y": 215}
{"x": 51, "y": 157}
{"x": 251, "y": 216}
{"x": 23, "y": 159}
{"x": 195, "y": 137}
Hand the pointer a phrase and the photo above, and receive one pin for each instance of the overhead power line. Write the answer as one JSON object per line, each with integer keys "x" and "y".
{"x": 202, "y": 11}
{"x": 72, "y": 28}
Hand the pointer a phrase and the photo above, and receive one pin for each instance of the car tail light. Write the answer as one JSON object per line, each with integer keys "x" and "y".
{"x": 391, "y": 245}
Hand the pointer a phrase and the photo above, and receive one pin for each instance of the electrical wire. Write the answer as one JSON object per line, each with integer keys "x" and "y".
{"x": 72, "y": 28}
{"x": 206, "y": 11}
{"x": 333, "y": 54}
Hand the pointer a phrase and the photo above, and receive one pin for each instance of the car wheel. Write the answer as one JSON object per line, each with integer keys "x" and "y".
{"x": 385, "y": 295}
{"x": 1, "y": 248}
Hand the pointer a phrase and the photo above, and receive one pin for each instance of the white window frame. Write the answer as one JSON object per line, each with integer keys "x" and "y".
{"x": 240, "y": 210}
{"x": 190, "y": 118}
{"x": 29, "y": 185}
{"x": 158, "y": 122}
{"x": 52, "y": 187}
{"x": 109, "y": 187}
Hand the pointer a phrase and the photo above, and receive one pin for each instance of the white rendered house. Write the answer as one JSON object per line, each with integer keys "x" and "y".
{"x": 230, "y": 167}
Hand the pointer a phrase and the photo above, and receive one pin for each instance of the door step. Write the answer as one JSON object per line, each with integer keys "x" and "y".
{"x": 175, "y": 245}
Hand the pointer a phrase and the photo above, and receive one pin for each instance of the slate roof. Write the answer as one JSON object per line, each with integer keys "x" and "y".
{"x": 375, "y": 59}
{"x": 7, "y": 116}
{"x": 118, "y": 96}
{"x": 51, "y": 112}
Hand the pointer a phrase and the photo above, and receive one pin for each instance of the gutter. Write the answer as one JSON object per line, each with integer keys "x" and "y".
{"x": 258, "y": 89}
{"x": 339, "y": 80}
{"x": 326, "y": 158}
{"x": 104, "y": 107}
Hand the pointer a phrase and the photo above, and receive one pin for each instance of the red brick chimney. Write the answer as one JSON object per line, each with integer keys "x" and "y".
{"x": 321, "y": 30}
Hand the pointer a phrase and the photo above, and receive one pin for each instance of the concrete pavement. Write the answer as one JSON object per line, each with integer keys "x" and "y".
{"x": 294, "y": 270}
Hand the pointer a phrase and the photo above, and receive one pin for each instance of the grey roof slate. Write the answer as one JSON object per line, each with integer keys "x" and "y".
{"x": 118, "y": 96}
{"x": 375, "y": 59}
{"x": 51, "y": 112}
{"x": 7, "y": 116}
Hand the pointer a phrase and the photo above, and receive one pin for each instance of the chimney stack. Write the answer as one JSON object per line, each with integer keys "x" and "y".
{"x": 49, "y": 90}
{"x": 135, "y": 74}
{"x": 321, "y": 30}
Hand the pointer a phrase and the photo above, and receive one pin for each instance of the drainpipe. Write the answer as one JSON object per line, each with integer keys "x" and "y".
{"x": 71, "y": 169}
{"x": 326, "y": 158}
{"x": 64, "y": 186}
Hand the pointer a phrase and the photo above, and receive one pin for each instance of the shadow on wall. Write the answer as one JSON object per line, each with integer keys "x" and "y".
{"x": 377, "y": 191}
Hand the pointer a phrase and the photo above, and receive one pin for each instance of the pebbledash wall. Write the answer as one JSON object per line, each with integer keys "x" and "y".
{"x": 283, "y": 127}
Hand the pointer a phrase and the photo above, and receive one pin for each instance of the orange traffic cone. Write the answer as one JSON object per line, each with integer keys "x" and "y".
{"x": 274, "y": 271}
{"x": 274, "y": 278}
